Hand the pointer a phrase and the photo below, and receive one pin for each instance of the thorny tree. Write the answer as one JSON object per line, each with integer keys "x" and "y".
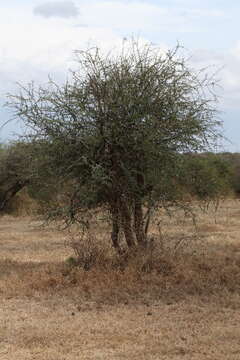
{"x": 115, "y": 132}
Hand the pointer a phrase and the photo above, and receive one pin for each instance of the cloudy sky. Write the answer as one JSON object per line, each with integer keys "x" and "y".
{"x": 38, "y": 38}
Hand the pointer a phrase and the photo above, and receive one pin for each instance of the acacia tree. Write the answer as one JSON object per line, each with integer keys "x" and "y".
{"x": 15, "y": 171}
{"x": 116, "y": 130}
{"x": 208, "y": 178}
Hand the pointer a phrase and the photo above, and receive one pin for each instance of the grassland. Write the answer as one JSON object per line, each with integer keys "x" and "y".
{"x": 184, "y": 305}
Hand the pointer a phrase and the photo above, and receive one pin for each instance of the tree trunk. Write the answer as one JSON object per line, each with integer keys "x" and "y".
{"x": 127, "y": 223}
{"x": 138, "y": 211}
{"x": 139, "y": 223}
{"x": 115, "y": 226}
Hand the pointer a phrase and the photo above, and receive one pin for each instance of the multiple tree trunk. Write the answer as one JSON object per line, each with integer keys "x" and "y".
{"x": 127, "y": 217}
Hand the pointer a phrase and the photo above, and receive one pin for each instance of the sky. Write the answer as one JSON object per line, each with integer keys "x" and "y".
{"x": 39, "y": 37}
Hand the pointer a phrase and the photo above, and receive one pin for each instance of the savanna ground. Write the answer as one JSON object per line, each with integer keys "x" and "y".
{"x": 180, "y": 301}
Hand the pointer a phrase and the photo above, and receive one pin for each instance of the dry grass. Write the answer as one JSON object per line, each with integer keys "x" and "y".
{"x": 181, "y": 301}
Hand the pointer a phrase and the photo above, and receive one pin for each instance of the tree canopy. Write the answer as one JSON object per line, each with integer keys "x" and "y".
{"x": 114, "y": 133}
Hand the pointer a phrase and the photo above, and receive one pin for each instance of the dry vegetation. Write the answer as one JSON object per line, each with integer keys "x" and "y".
{"x": 180, "y": 301}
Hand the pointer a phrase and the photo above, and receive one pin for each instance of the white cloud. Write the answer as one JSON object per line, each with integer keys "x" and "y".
{"x": 62, "y": 9}
{"x": 31, "y": 47}
{"x": 138, "y": 15}
{"x": 34, "y": 47}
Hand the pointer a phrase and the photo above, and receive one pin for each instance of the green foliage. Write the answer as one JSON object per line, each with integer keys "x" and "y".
{"x": 207, "y": 177}
{"x": 233, "y": 159}
{"x": 24, "y": 164}
{"x": 114, "y": 134}
{"x": 72, "y": 261}
{"x": 14, "y": 171}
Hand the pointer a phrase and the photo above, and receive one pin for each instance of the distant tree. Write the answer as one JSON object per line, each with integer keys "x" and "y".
{"x": 208, "y": 178}
{"x": 27, "y": 164}
{"x": 14, "y": 171}
{"x": 115, "y": 132}
{"x": 233, "y": 159}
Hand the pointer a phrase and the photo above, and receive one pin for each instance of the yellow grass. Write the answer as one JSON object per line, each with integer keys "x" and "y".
{"x": 185, "y": 307}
